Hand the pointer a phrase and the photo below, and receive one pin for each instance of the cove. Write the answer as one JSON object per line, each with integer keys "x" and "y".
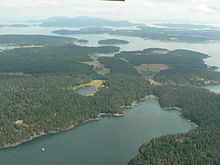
{"x": 109, "y": 141}
{"x": 213, "y": 88}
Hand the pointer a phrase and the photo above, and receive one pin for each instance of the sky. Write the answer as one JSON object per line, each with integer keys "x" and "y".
{"x": 179, "y": 11}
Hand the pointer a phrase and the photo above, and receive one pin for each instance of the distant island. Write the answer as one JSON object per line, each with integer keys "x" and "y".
{"x": 186, "y": 26}
{"x": 173, "y": 32}
{"x": 88, "y": 30}
{"x": 112, "y": 42}
{"x": 40, "y": 40}
{"x": 83, "y": 21}
{"x": 146, "y": 32}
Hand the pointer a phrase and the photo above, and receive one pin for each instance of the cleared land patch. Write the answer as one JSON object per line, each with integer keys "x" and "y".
{"x": 143, "y": 68}
{"x": 20, "y": 123}
{"x": 97, "y": 66}
{"x": 160, "y": 51}
{"x": 96, "y": 83}
{"x": 154, "y": 82}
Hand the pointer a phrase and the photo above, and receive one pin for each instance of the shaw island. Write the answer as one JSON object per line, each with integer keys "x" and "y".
{"x": 39, "y": 83}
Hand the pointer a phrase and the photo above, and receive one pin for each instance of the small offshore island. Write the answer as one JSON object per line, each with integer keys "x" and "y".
{"x": 41, "y": 83}
{"x": 112, "y": 42}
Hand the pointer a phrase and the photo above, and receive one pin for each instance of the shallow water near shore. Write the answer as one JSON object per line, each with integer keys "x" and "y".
{"x": 213, "y": 88}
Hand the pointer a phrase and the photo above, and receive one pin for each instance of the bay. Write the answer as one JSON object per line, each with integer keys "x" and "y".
{"x": 111, "y": 140}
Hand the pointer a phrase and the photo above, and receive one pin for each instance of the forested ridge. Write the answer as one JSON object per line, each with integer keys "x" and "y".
{"x": 37, "y": 96}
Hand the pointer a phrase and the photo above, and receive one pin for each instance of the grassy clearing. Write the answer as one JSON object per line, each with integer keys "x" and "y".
{"x": 20, "y": 123}
{"x": 151, "y": 68}
{"x": 96, "y": 83}
{"x": 160, "y": 51}
{"x": 154, "y": 82}
{"x": 97, "y": 66}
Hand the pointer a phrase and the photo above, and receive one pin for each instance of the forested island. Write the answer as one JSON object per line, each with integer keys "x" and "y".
{"x": 83, "y": 21}
{"x": 186, "y": 26}
{"x": 38, "y": 96}
{"x": 112, "y": 42}
{"x": 154, "y": 33}
{"x": 40, "y": 40}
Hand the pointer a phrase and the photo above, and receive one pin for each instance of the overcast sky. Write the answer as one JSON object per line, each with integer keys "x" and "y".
{"x": 194, "y": 11}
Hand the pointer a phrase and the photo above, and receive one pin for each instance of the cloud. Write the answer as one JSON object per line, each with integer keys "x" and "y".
{"x": 191, "y": 10}
{"x": 200, "y": 9}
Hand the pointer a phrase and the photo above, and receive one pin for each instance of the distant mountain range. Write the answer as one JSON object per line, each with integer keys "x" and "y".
{"x": 14, "y": 25}
{"x": 185, "y": 26}
{"x": 83, "y": 21}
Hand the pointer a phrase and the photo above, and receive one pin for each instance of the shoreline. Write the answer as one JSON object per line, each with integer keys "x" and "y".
{"x": 49, "y": 133}
{"x": 111, "y": 114}
{"x": 99, "y": 117}
{"x": 194, "y": 125}
{"x": 133, "y": 104}
{"x": 62, "y": 130}
{"x": 172, "y": 108}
